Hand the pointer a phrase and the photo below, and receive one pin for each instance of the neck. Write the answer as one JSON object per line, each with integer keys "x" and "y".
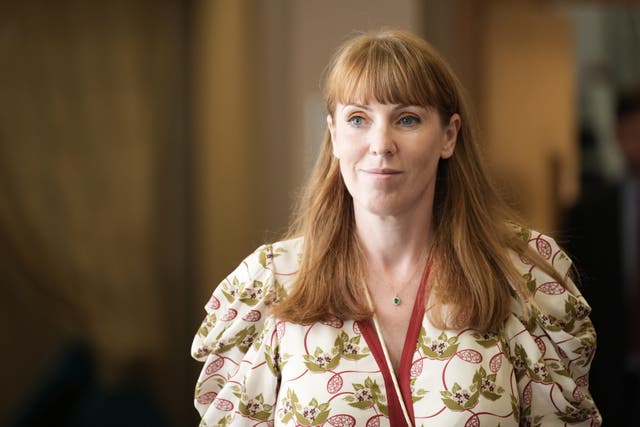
{"x": 394, "y": 244}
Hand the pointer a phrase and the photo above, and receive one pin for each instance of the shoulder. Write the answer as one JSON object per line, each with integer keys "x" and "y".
{"x": 552, "y": 307}
{"x": 547, "y": 248}
{"x": 546, "y": 295}
{"x": 241, "y": 300}
{"x": 279, "y": 258}
{"x": 283, "y": 257}
{"x": 550, "y": 338}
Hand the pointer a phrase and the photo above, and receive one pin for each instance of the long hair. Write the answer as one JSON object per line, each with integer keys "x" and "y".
{"x": 475, "y": 232}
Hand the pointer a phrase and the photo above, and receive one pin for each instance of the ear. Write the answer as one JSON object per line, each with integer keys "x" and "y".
{"x": 332, "y": 132}
{"x": 451, "y": 136}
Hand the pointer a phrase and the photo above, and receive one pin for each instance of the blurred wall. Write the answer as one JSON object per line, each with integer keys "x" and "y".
{"x": 92, "y": 192}
{"x": 516, "y": 60}
{"x": 529, "y": 108}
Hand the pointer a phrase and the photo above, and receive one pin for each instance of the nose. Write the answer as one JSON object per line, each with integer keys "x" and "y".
{"x": 382, "y": 142}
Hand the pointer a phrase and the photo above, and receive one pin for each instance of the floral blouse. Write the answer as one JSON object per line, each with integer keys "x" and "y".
{"x": 259, "y": 371}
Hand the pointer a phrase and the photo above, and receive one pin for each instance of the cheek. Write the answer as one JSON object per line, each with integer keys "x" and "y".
{"x": 347, "y": 151}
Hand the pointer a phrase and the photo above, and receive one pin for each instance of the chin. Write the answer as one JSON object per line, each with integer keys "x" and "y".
{"x": 385, "y": 208}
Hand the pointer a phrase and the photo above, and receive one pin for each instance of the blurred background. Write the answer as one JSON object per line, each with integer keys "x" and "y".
{"x": 147, "y": 146}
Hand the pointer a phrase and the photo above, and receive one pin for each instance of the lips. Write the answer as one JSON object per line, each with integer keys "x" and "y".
{"x": 381, "y": 171}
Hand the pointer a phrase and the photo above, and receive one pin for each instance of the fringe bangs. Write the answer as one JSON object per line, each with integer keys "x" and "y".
{"x": 378, "y": 70}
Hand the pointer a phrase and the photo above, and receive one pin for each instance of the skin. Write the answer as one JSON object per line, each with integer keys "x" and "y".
{"x": 388, "y": 157}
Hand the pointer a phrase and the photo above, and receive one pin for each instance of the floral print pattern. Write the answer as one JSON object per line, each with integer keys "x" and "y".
{"x": 259, "y": 371}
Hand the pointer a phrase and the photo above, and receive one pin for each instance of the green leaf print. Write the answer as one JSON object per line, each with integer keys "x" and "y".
{"x": 575, "y": 310}
{"x": 208, "y": 323}
{"x": 515, "y": 407}
{"x": 585, "y": 350}
{"x": 253, "y": 294}
{"x": 275, "y": 361}
{"x": 245, "y": 338}
{"x": 289, "y": 406}
{"x": 222, "y": 422}
{"x": 418, "y": 395}
{"x": 559, "y": 369}
{"x": 237, "y": 391}
{"x": 460, "y": 399}
{"x": 524, "y": 234}
{"x": 313, "y": 414}
{"x": 220, "y": 345}
{"x": 539, "y": 372}
{"x": 255, "y": 408}
{"x": 230, "y": 295}
{"x": 262, "y": 257}
{"x": 351, "y": 348}
{"x": 270, "y": 362}
{"x": 572, "y": 415}
{"x": 441, "y": 348}
{"x": 479, "y": 375}
{"x": 486, "y": 384}
{"x": 268, "y": 253}
{"x": 486, "y": 340}
{"x": 338, "y": 343}
{"x": 371, "y": 384}
{"x": 550, "y": 323}
{"x": 322, "y": 361}
{"x": 384, "y": 410}
{"x": 521, "y": 362}
{"x": 531, "y": 282}
{"x": 287, "y": 417}
{"x": 293, "y": 397}
{"x": 367, "y": 395}
{"x": 275, "y": 293}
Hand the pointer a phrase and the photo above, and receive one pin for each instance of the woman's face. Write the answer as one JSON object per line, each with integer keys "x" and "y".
{"x": 389, "y": 154}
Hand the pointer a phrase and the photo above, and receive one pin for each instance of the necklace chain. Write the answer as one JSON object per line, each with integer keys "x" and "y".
{"x": 396, "y": 300}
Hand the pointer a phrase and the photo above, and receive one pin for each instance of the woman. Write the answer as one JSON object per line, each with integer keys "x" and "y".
{"x": 407, "y": 294}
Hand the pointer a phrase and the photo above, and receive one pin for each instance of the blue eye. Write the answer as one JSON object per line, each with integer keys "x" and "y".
{"x": 409, "y": 120}
{"x": 356, "y": 121}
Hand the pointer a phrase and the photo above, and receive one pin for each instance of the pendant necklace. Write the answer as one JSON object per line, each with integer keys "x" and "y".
{"x": 396, "y": 298}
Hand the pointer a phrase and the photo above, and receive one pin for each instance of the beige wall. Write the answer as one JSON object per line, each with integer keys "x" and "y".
{"x": 92, "y": 214}
{"x": 516, "y": 60}
{"x": 529, "y": 108}
{"x": 223, "y": 153}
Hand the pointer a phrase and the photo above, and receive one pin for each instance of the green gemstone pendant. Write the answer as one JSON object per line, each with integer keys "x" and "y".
{"x": 396, "y": 300}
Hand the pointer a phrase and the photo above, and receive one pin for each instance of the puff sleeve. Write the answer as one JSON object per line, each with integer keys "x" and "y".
{"x": 231, "y": 342}
{"x": 551, "y": 346}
